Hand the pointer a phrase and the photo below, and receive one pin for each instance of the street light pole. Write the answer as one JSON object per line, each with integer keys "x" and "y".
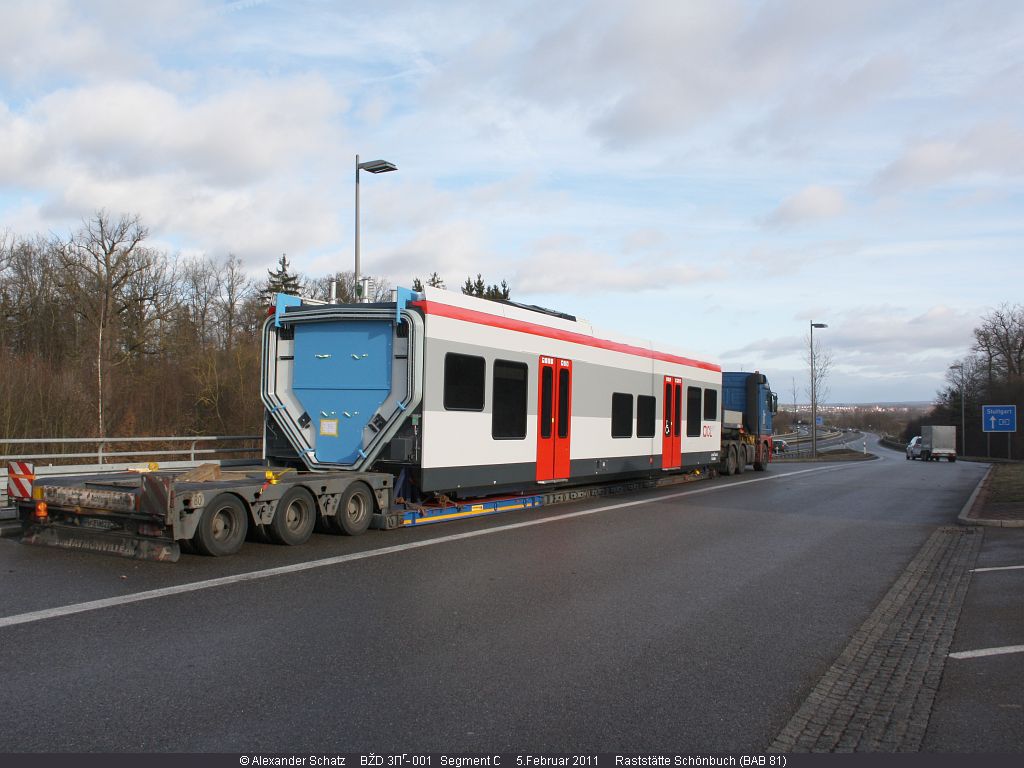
{"x": 373, "y": 166}
{"x": 963, "y": 408}
{"x": 814, "y": 397}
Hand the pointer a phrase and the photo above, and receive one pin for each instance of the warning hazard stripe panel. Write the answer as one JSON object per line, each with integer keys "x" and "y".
{"x": 20, "y": 476}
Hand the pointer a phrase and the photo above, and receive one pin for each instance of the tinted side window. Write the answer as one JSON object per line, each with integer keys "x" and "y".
{"x": 563, "y": 402}
{"x": 622, "y": 415}
{"x": 508, "y": 419}
{"x": 710, "y": 405}
{"x": 693, "y": 411}
{"x": 645, "y": 408}
{"x": 547, "y": 386}
{"x": 463, "y": 382}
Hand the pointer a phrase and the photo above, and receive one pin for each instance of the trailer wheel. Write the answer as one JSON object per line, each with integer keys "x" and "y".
{"x": 222, "y": 529}
{"x": 729, "y": 465}
{"x": 354, "y": 510}
{"x": 761, "y": 462}
{"x": 294, "y": 518}
{"x": 741, "y": 459}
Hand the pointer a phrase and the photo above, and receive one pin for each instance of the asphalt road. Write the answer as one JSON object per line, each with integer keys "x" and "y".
{"x": 689, "y": 619}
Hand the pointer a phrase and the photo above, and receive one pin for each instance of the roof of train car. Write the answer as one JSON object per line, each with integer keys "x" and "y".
{"x": 541, "y": 322}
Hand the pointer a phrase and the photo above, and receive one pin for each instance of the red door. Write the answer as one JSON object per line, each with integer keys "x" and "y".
{"x": 671, "y": 407}
{"x": 554, "y": 423}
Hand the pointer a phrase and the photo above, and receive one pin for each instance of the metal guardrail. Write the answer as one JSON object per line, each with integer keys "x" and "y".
{"x": 101, "y": 454}
{"x": 190, "y": 454}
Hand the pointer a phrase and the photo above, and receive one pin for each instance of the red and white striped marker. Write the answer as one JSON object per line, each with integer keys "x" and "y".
{"x": 20, "y": 475}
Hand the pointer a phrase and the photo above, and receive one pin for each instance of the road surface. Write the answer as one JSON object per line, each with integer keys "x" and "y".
{"x": 696, "y": 618}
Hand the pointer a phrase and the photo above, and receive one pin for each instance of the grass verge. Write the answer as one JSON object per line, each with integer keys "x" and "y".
{"x": 1006, "y": 484}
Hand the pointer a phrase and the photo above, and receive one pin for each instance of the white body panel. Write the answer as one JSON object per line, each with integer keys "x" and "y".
{"x": 602, "y": 364}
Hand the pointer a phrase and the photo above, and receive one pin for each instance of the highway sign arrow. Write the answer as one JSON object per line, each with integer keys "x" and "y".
{"x": 999, "y": 418}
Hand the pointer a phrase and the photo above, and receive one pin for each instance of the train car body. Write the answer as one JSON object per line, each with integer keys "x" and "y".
{"x": 465, "y": 397}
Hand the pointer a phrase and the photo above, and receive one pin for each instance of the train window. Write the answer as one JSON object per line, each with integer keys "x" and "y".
{"x": 622, "y": 415}
{"x": 678, "y": 408}
{"x": 645, "y": 408}
{"x": 508, "y": 418}
{"x": 710, "y": 405}
{"x": 547, "y": 385}
{"x": 563, "y": 402}
{"x": 693, "y": 411}
{"x": 463, "y": 382}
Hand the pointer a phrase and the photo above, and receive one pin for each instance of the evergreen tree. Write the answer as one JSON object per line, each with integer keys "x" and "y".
{"x": 434, "y": 281}
{"x": 480, "y": 289}
{"x": 280, "y": 281}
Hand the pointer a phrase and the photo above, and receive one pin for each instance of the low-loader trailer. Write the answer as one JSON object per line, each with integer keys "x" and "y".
{"x": 432, "y": 407}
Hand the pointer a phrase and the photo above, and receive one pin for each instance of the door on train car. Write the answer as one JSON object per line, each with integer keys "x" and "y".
{"x": 672, "y": 410}
{"x": 554, "y": 422}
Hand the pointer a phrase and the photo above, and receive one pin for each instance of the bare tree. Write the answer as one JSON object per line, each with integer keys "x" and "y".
{"x": 97, "y": 262}
{"x": 236, "y": 287}
{"x": 1000, "y": 339}
{"x": 201, "y": 290}
{"x": 822, "y": 369}
{"x": 320, "y": 287}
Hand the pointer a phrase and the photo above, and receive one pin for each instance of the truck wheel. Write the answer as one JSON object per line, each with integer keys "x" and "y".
{"x": 951, "y": 459}
{"x": 925, "y": 456}
{"x": 294, "y": 517}
{"x": 354, "y": 510}
{"x": 761, "y": 462}
{"x": 223, "y": 526}
{"x": 729, "y": 465}
{"x": 741, "y": 459}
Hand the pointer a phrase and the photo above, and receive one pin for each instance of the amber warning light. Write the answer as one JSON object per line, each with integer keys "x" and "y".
{"x": 41, "y": 512}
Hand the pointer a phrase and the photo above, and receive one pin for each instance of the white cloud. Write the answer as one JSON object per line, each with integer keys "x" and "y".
{"x": 995, "y": 149}
{"x": 811, "y": 203}
{"x": 567, "y": 265}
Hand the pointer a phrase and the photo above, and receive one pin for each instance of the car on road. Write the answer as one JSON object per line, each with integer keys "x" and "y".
{"x": 780, "y": 446}
{"x": 914, "y": 448}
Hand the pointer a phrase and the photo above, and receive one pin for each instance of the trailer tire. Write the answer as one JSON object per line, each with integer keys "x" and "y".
{"x": 761, "y": 463}
{"x": 355, "y": 510}
{"x": 729, "y": 464}
{"x": 223, "y": 526}
{"x": 294, "y": 517}
{"x": 741, "y": 459}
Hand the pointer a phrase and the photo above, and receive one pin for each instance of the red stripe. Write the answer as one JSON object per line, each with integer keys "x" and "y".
{"x": 20, "y": 468}
{"x": 535, "y": 329}
{"x": 18, "y": 489}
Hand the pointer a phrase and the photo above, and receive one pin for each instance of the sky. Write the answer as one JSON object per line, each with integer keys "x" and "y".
{"x": 712, "y": 175}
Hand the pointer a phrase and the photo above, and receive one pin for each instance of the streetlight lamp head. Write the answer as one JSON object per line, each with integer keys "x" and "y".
{"x": 819, "y": 325}
{"x": 377, "y": 166}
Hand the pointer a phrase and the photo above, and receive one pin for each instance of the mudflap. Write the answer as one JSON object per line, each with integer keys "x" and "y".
{"x": 135, "y": 547}
{"x": 386, "y": 522}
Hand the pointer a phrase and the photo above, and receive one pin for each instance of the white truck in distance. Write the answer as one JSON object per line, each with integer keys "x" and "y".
{"x": 934, "y": 443}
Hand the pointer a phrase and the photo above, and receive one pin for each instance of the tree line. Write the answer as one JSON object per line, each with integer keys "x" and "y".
{"x": 992, "y": 374}
{"x": 103, "y": 335}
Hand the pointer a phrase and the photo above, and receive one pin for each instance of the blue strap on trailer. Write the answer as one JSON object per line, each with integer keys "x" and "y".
{"x": 422, "y": 515}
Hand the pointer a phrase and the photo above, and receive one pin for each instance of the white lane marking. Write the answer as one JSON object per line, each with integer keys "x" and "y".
{"x": 987, "y": 652}
{"x": 195, "y": 586}
{"x": 999, "y": 568}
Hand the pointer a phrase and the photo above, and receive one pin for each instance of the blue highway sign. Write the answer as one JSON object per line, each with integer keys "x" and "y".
{"x": 999, "y": 418}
